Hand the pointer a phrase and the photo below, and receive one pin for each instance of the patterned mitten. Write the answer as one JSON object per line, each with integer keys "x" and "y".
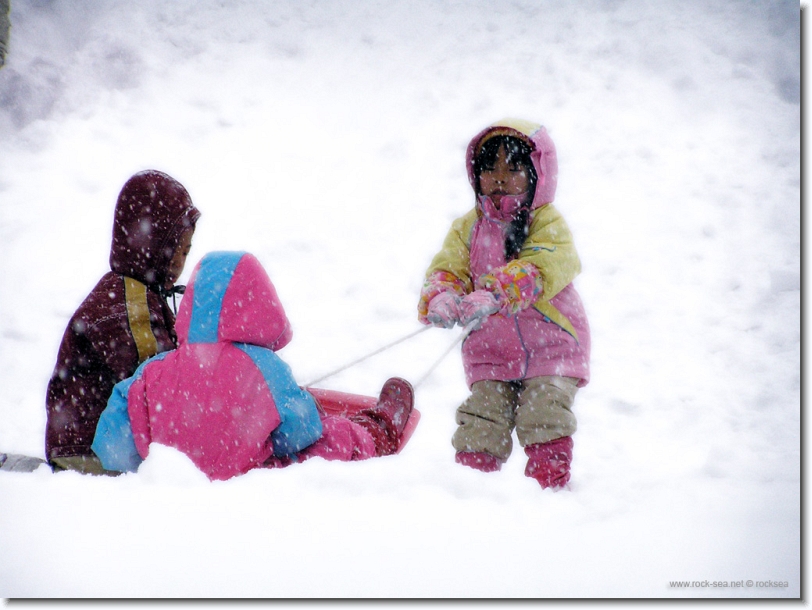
{"x": 516, "y": 286}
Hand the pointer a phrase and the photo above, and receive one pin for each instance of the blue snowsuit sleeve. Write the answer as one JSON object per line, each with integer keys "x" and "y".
{"x": 114, "y": 444}
{"x": 301, "y": 424}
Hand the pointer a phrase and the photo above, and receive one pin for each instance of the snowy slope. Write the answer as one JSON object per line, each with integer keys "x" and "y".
{"x": 328, "y": 139}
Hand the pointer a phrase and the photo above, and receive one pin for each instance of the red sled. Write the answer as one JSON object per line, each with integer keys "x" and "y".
{"x": 342, "y": 403}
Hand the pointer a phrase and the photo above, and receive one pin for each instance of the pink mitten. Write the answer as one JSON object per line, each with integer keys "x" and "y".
{"x": 444, "y": 310}
{"x": 477, "y": 306}
{"x": 549, "y": 463}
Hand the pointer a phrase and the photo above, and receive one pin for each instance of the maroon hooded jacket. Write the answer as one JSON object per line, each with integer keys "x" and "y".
{"x": 125, "y": 319}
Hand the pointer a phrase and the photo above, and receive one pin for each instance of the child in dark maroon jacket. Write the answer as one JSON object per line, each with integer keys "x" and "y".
{"x": 124, "y": 320}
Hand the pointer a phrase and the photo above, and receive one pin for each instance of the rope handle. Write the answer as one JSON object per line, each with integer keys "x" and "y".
{"x": 362, "y": 358}
{"x": 466, "y": 331}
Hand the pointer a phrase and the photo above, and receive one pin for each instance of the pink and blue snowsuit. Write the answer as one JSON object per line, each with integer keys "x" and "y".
{"x": 224, "y": 397}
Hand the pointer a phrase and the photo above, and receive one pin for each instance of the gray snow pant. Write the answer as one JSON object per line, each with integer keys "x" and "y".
{"x": 86, "y": 464}
{"x": 539, "y": 408}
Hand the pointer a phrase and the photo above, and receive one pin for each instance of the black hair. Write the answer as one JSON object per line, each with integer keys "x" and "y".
{"x": 517, "y": 152}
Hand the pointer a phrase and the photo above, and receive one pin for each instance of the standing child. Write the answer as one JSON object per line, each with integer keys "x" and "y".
{"x": 124, "y": 320}
{"x": 228, "y": 401}
{"x": 506, "y": 270}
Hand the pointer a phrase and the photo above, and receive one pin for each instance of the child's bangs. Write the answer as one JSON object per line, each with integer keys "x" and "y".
{"x": 516, "y": 149}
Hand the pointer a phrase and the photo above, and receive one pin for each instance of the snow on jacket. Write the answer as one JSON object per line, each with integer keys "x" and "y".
{"x": 223, "y": 397}
{"x": 542, "y": 327}
{"x": 123, "y": 320}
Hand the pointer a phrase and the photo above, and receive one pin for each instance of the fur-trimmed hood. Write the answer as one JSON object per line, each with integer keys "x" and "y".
{"x": 543, "y": 154}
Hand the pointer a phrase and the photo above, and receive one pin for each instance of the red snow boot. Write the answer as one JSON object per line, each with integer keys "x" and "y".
{"x": 479, "y": 460}
{"x": 549, "y": 463}
{"x": 387, "y": 420}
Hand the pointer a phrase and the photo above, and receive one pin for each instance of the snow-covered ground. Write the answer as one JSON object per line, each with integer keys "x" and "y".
{"x": 328, "y": 139}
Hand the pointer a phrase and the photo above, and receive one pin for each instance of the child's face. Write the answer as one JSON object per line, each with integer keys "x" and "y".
{"x": 503, "y": 178}
{"x": 178, "y": 261}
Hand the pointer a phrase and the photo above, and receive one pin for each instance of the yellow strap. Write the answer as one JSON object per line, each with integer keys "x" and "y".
{"x": 135, "y": 294}
{"x": 556, "y": 317}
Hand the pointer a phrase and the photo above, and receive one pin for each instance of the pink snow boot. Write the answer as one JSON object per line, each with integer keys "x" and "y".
{"x": 549, "y": 463}
{"x": 479, "y": 460}
{"x": 387, "y": 420}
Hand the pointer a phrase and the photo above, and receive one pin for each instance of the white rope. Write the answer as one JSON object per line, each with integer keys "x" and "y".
{"x": 362, "y": 358}
{"x": 465, "y": 332}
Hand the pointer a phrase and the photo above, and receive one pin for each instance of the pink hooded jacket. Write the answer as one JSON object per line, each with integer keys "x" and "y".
{"x": 223, "y": 397}
{"x": 544, "y": 331}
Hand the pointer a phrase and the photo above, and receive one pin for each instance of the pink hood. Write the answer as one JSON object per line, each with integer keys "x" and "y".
{"x": 240, "y": 304}
{"x": 543, "y": 156}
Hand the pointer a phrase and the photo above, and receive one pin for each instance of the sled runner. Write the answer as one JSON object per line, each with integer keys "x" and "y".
{"x": 19, "y": 463}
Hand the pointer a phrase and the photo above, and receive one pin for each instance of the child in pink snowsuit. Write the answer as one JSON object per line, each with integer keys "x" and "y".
{"x": 228, "y": 401}
{"x": 506, "y": 270}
